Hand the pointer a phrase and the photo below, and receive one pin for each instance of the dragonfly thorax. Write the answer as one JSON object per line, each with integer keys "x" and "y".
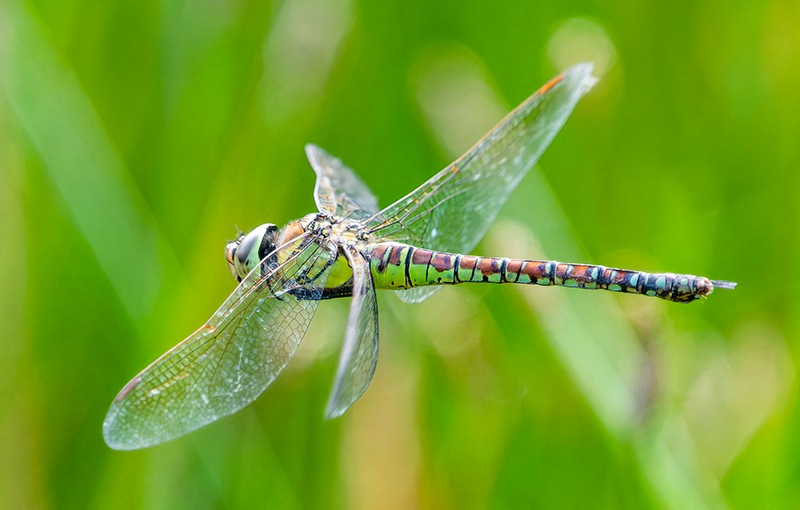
{"x": 249, "y": 249}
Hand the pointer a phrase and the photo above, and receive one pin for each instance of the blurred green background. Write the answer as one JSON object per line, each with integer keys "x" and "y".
{"x": 135, "y": 137}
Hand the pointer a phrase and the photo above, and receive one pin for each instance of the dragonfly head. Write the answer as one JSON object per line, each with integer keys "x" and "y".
{"x": 249, "y": 249}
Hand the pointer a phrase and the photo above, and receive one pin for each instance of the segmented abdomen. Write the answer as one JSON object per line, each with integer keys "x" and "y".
{"x": 401, "y": 266}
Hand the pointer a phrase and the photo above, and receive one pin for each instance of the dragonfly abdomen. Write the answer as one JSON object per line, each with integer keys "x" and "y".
{"x": 401, "y": 266}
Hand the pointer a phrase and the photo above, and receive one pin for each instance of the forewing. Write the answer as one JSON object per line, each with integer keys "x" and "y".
{"x": 338, "y": 190}
{"x": 228, "y": 362}
{"x": 453, "y": 210}
{"x": 360, "y": 350}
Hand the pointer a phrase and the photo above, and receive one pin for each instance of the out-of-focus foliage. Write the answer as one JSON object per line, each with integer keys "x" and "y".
{"x": 136, "y": 136}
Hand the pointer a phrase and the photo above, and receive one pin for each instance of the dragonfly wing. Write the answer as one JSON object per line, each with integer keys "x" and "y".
{"x": 339, "y": 191}
{"x": 418, "y": 294}
{"x": 229, "y": 361}
{"x": 360, "y": 350}
{"x": 453, "y": 210}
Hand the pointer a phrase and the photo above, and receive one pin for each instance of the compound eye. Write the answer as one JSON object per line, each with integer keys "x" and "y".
{"x": 245, "y": 253}
{"x": 247, "y": 244}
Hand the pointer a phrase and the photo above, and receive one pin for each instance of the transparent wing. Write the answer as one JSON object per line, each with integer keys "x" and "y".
{"x": 360, "y": 350}
{"x": 339, "y": 191}
{"x": 229, "y": 361}
{"x": 453, "y": 210}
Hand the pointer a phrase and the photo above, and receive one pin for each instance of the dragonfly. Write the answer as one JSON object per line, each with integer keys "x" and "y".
{"x": 351, "y": 247}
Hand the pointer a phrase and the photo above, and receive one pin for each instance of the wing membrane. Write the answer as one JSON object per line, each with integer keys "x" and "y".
{"x": 228, "y": 362}
{"x": 360, "y": 350}
{"x": 453, "y": 210}
{"x": 338, "y": 190}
